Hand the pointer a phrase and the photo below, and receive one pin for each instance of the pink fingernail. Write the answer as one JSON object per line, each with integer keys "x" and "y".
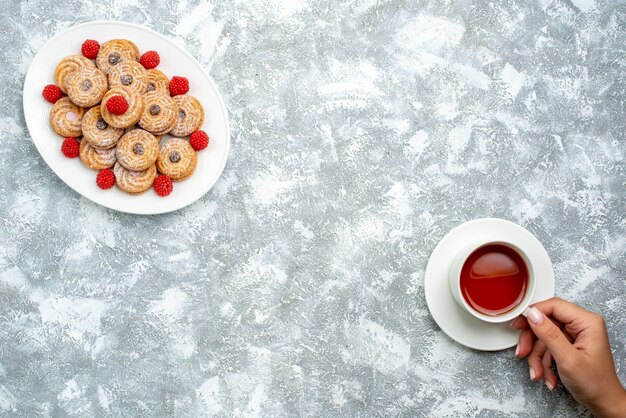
{"x": 517, "y": 351}
{"x": 533, "y": 315}
{"x": 532, "y": 374}
{"x": 549, "y": 385}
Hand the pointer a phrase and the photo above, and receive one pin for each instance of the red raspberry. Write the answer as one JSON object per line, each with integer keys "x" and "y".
{"x": 70, "y": 147}
{"x": 178, "y": 86}
{"x": 117, "y": 105}
{"x": 105, "y": 179}
{"x": 90, "y": 48}
{"x": 163, "y": 185}
{"x": 52, "y": 93}
{"x": 150, "y": 59}
{"x": 199, "y": 140}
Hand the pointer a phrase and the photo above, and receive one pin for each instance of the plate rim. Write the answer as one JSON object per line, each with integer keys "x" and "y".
{"x": 430, "y": 261}
{"x": 132, "y": 209}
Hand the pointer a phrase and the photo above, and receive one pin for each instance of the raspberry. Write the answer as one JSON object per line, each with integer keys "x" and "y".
{"x": 90, "y": 48}
{"x": 150, "y": 59}
{"x": 117, "y": 105}
{"x": 70, "y": 147}
{"x": 199, "y": 140}
{"x": 52, "y": 93}
{"x": 178, "y": 86}
{"x": 105, "y": 179}
{"x": 163, "y": 185}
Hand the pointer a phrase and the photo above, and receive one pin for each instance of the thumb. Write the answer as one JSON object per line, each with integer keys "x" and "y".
{"x": 549, "y": 334}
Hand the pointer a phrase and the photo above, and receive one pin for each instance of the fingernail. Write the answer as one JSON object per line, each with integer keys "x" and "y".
{"x": 512, "y": 322}
{"x": 517, "y": 351}
{"x": 549, "y": 385}
{"x": 532, "y": 374}
{"x": 533, "y": 315}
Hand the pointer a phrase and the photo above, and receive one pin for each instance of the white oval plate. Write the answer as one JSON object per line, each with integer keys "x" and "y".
{"x": 174, "y": 61}
{"x": 452, "y": 318}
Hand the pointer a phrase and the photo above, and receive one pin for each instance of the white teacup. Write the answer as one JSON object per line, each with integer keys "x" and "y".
{"x": 455, "y": 282}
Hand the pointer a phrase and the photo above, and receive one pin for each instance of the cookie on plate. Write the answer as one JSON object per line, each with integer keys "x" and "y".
{"x": 115, "y": 51}
{"x": 157, "y": 81}
{"x": 158, "y": 137}
{"x": 67, "y": 66}
{"x": 177, "y": 159}
{"x": 96, "y": 159}
{"x": 190, "y": 116}
{"x": 132, "y": 114}
{"x": 159, "y": 113}
{"x": 137, "y": 150}
{"x": 98, "y": 132}
{"x": 129, "y": 74}
{"x": 66, "y": 118}
{"x": 86, "y": 86}
{"x": 134, "y": 182}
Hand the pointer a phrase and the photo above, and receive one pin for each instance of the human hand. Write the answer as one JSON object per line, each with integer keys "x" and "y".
{"x": 577, "y": 340}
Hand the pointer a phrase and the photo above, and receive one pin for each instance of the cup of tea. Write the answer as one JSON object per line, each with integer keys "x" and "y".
{"x": 493, "y": 281}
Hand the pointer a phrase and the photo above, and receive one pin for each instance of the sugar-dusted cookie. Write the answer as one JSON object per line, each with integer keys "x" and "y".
{"x": 86, "y": 86}
{"x": 115, "y": 51}
{"x": 67, "y": 66}
{"x": 134, "y": 182}
{"x": 190, "y": 115}
{"x": 157, "y": 81}
{"x": 66, "y": 118}
{"x": 131, "y": 116}
{"x": 129, "y": 74}
{"x": 159, "y": 113}
{"x": 158, "y": 137}
{"x": 96, "y": 159}
{"x": 137, "y": 150}
{"x": 177, "y": 159}
{"x": 98, "y": 132}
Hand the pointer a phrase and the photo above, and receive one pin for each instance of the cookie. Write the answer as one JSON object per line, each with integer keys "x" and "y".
{"x": 159, "y": 113}
{"x": 137, "y": 150}
{"x": 98, "y": 132}
{"x": 190, "y": 115}
{"x": 134, "y": 182}
{"x": 67, "y": 66}
{"x": 96, "y": 159}
{"x": 86, "y": 86}
{"x": 66, "y": 118}
{"x": 115, "y": 51}
{"x": 157, "y": 81}
{"x": 129, "y": 74}
{"x": 177, "y": 159}
{"x": 132, "y": 115}
{"x": 158, "y": 137}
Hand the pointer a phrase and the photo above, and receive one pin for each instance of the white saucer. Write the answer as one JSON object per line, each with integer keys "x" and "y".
{"x": 451, "y": 318}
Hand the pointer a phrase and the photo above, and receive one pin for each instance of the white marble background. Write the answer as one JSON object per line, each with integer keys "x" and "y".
{"x": 363, "y": 131}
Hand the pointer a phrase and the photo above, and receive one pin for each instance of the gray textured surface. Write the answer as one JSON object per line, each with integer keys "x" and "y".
{"x": 362, "y": 133}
